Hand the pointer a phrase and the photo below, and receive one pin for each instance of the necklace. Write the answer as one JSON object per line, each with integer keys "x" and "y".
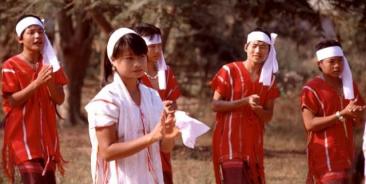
{"x": 151, "y": 77}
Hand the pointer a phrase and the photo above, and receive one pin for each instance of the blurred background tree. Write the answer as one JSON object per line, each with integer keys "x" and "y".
{"x": 199, "y": 36}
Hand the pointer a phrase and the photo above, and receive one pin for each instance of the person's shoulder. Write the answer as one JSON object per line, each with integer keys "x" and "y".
{"x": 232, "y": 65}
{"x": 314, "y": 82}
{"x": 168, "y": 69}
{"x": 107, "y": 92}
{"x": 10, "y": 61}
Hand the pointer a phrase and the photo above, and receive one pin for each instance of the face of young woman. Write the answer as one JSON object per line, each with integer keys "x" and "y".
{"x": 33, "y": 38}
{"x": 332, "y": 66}
{"x": 154, "y": 52}
{"x": 129, "y": 65}
{"x": 257, "y": 51}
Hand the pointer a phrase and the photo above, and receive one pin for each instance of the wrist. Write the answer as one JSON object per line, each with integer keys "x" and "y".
{"x": 340, "y": 117}
{"x": 244, "y": 101}
{"x": 35, "y": 84}
{"x": 150, "y": 138}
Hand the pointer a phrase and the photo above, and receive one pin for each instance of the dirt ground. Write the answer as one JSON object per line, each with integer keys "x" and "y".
{"x": 282, "y": 165}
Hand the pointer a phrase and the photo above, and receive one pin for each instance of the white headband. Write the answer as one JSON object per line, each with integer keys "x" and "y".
{"x": 113, "y": 39}
{"x": 48, "y": 54}
{"x": 150, "y": 40}
{"x": 258, "y": 36}
{"x": 346, "y": 75}
{"x": 270, "y": 66}
{"x": 25, "y": 23}
{"x": 329, "y": 52}
{"x": 156, "y": 39}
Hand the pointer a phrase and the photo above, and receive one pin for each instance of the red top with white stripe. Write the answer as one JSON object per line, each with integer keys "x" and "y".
{"x": 171, "y": 92}
{"x": 30, "y": 129}
{"x": 239, "y": 133}
{"x": 330, "y": 149}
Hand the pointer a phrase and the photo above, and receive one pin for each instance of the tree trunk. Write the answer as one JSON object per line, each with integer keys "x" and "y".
{"x": 75, "y": 45}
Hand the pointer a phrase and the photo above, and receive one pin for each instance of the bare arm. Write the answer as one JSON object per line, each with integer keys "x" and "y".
{"x": 314, "y": 123}
{"x": 19, "y": 97}
{"x": 221, "y": 105}
{"x": 110, "y": 149}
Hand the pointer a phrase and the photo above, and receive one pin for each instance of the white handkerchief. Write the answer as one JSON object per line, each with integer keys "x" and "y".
{"x": 189, "y": 128}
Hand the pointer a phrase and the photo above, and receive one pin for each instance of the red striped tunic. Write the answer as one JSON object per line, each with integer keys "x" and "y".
{"x": 30, "y": 129}
{"x": 239, "y": 134}
{"x": 330, "y": 149}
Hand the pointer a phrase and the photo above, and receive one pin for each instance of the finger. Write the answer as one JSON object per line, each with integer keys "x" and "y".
{"x": 255, "y": 95}
{"x": 47, "y": 78}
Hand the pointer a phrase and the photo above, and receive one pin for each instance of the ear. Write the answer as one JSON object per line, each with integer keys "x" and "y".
{"x": 319, "y": 63}
{"x": 19, "y": 40}
{"x": 246, "y": 47}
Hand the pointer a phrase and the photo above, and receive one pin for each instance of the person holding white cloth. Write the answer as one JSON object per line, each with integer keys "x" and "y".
{"x": 160, "y": 77}
{"x": 128, "y": 122}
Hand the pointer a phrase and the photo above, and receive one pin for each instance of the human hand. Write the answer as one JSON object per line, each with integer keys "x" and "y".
{"x": 353, "y": 110}
{"x": 171, "y": 130}
{"x": 158, "y": 132}
{"x": 169, "y": 107}
{"x": 44, "y": 75}
{"x": 254, "y": 101}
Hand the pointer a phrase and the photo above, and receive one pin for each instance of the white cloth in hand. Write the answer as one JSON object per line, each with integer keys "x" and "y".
{"x": 189, "y": 128}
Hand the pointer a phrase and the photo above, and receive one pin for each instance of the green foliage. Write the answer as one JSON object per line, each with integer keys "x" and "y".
{"x": 203, "y": 35}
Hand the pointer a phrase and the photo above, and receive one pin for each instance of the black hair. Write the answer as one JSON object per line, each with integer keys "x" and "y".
{"x": 327, "y": 43}
{"x": 324, "y": 44}
{"x": 130, "y": 40}
{"x": 145, "y": 29}
{"x": 24, "y": 16}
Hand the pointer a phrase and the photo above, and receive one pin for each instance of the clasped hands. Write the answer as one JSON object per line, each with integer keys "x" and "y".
{"x": 166, "y": 129}
{"x": 352, "y": 110}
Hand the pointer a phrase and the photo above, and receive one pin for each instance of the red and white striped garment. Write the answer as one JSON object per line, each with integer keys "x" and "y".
{"x": 330, "y": 149}
{"x": 171, "y": 92}
{"x": 239, "y": 134}
{"x": 30, "y": 129}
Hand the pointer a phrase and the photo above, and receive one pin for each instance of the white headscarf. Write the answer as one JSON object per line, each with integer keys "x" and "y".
{"x": 156, "y": 39}
{"x": 114, "y": 38}
{"x": 346, "y": 75}
{"x": 49, "y": 56}
{"x": 270, "y": 65}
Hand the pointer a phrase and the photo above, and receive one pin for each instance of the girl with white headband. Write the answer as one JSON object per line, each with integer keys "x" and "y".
{"x": 331, "y": 107}
{"x": 244, "y": 95}
{"x": 128, "y": 122}
{"x": 32, "y": 87}
{"x": 160, "y": 77}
